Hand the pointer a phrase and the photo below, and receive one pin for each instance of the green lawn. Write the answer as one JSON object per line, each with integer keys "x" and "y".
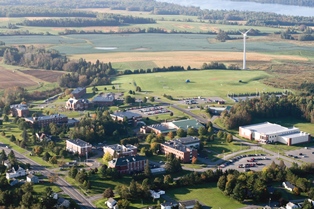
{"x": 203, "y": 83}
{"x": 208, "y": 194}
{"x": 40, "y": 188}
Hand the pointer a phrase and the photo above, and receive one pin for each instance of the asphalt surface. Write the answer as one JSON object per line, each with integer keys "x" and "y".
{"x": 81, "y": 200}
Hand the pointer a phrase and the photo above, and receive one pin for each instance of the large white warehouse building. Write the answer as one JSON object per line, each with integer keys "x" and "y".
{"x": 270, "y": 133}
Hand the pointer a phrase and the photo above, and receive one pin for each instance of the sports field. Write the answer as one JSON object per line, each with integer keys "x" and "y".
{"x": 202, "y": 83}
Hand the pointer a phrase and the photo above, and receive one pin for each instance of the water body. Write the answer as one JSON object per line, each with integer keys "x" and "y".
{"x": 246, "y": 6}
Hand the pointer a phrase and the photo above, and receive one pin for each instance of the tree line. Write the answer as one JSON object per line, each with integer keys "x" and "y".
{"x": 101, "y": 20}
{"x": 305, "y": 3}
{"x": 267, "y": 107}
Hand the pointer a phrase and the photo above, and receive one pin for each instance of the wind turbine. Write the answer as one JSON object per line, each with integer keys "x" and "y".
{"x": 244, "y": 50}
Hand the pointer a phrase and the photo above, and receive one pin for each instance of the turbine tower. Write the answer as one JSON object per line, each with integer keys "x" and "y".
{"x": 244, "y": 50}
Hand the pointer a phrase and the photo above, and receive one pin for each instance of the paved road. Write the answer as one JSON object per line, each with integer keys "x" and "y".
{"x": 81, "y": 200}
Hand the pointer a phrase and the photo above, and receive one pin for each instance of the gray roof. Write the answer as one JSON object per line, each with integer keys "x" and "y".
{"x": 104, "y": 97}
{"x": 77, "y": 90}
{"x": 188, "y": 140}
{"x": 19, "y": 106}
{"x": 268, "y": 128}
{"x": 162, "y": 128}
{"x": 127, "y": 114}
{"x": 79, "y": 142}
{"x": 46, "y": 117}
{"x": 126, "y": 160}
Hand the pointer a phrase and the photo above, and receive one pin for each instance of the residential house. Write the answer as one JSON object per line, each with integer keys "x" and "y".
{"x": 270, "y": 133}
{"x": 156, "y": 195}
{"x": 130, "y": 117}
{"x": 218, "y": 110}
{"x": 43, "y": 121}
{"x": 13, "y": 182}
{"x": 78, "y": 146}
{"x": 61, "y": 202}
{"x": 78, "y": 92}
{"x": 183, "y": 148}
{"x": 104, "y": 99}
{"x": 20, "y": 110}
{"x": 15, "y": 173}
{"x": 117, "y": 150}
{"x": 112, "y": 203}
{"x": 291, "y": 205}
{"x": 168, "y": 205}
{"x": 77, "y": 104}
{"x": 189, "y": 204}
{"x": 288, "y": 186}
{"x": 43, "y": 137}
{"x": 128, "y": 165}
{"x": 32, "y": 178}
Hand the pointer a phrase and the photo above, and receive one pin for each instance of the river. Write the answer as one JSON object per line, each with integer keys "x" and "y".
{"x": 246, "y": 6}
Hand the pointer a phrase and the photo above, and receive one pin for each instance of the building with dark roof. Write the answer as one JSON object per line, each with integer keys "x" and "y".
{"x": 78, "y": 92}
{"x": 118, "y": 150}
{"x": 131, "y": 117}
{"x": 183, "y": 148}
{"x": 78, "y": 146}
{"x": 162, "y": 128}
{"x": 128, "y": 165}
{"x": 47, "y": 119}
{"x": 20, "y": 110}
{"x": 104, "y": 99}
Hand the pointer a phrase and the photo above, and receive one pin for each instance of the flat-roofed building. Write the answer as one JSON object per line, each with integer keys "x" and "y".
{"x": 20, "y": 110}
{"x": 183, "y": 148}
{"x": 118, "y": 150}
{"x": 77, "y": 104}
{"x": 78, "y": 92}
{"x": 45, "y": 120}
{"x": 162, "y": 128}
{"x": 185, "y": 124}
{"x": 78, "y": 146}
{"x": 270, "y": 133}
{"x": 104, "y": 99}
{"x": 128, "y": 165}
{"x": 130, "y": 117}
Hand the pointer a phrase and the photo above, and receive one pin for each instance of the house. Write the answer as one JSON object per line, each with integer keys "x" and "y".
{"x": 291, "y": 205}
{"x": 77, "y": 104}
{"x": 20, "y": 110}
{"x": 168, "y": 205}
{"x": 183, "y": 148}
{"x": 7, "y": 164}
{"x": 270, "y": 133}
{"x": 218, "y": 110}
{"x": 43, "y": 137}
{"x": 112, "y": 203}
{"x": 78, "y": 92}
{"x": 156, "y": 195}
{"x": 13, "y": 182}
{"x": 104, "y": 99}
{"x": 129, "y": 117}
{"x": 61, "y": 202}
{"x": 78, "y": 146}
{"x": 189, "y": 204}
{"x": 32, "y": 178}
{"x": 117, "y": 150}
{"x": 288, "y": 186}
{"x": 128, "y": 165}
{"x": 15, "y": 173}
{"x": 45, "y": 120}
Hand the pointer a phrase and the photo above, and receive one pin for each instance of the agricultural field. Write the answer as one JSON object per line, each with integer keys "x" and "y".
{"x": 202, "y": 83}
{"x": 10, "y": 78}
{"x": 44, "y": 75}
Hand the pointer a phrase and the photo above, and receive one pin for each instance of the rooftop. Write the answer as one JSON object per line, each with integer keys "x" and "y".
{"x": 77, "y": 90}
{"x": 46, "y": 117}
{"x": 161, "y": 127}
{"x": 127, "y": 114}
{"x": 188, "y": 140}
{"x": 189, "y": 123}
{"x": 79, "y": 142}
{"x": 126, "y": 160}
{"x": 19, "y": 106}
{"x": 104, "y": 97}
{"x": 268, "y": 128}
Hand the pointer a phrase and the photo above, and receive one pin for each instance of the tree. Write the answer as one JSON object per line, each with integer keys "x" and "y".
{"x": 144, "y": 100}
{"x": 152, "y": 99}
{"x": 53, "y": 160}
{"x": 46, "y": 156}
{"x": 197, "y": 205}
{"x": 147, "y": 170}
{"x": 3, "y": 156}
{"x": 108, "y": 193}
{"x": 170, "y": 135}
{"x": 181, "y": 132}
{"x": 202, "y": 131}
{"x": 38, "y": 150}
{"x": 24, "y": 135}
{"x": 220, "y": 134}
{"x": 123, "y": 204}
{"x": 12, "y": 138}
{"x": 192, "y": 131}
{"x": 27, "y": 199}
{"x": 53, "y": 177}
{"x": 229, "y": 138}
{"x": 5, "y": 118}
{"x": 194, "y": 160}
{"x": 107, "y": 157}
{"x": 221, "y": 184}
{"x": 239, "y": 192}
{"x": 222, "y": 36}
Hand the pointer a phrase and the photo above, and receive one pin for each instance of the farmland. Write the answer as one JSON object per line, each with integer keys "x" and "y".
{"x": 203, "y": 83}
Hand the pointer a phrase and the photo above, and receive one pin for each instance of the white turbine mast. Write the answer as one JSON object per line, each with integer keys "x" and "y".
{"x": 244, "y": 47}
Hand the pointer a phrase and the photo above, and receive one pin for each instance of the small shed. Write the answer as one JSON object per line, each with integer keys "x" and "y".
{"x": 32, "y": 178}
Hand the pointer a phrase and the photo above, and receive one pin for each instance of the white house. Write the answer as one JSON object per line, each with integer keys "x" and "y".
{"x": 15, "y": 173}
{"x": 291, "y": 205}
{"x": 155, "y": 194}
{"x": 167, "y": 205}
{"x": 32, "y": 178}
{"x": 288, "y": 186}
{"x": 112, "y": 203}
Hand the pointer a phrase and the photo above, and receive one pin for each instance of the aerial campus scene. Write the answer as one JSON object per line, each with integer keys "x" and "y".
{"x": 162, "y": 104}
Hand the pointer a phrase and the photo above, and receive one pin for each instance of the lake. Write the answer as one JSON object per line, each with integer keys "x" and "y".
{"x": 246, "y": 6}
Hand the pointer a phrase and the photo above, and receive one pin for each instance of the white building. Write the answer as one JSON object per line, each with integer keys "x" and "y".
{"x": 15, "y": 173}
{"x": 270, "y": 133}
{"x": 112, "y": 203}
{"x": 291, "y": 205}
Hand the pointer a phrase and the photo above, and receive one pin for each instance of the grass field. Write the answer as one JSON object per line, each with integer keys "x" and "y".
{"x": 208, "y": 194}
{"x": 203, "y": 83}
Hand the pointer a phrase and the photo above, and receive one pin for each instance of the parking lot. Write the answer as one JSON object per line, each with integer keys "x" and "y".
{"x": 254, "y": 162}
{"x": 305, "y": 154}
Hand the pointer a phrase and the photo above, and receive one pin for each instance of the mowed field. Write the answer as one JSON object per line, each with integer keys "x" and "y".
{"x": 202, "y": 83}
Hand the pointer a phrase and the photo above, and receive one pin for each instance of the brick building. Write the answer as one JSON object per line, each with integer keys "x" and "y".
{"x": 131, "y": 117}
{"x": 42, "y": 121}
{"x": 183, "y": 148}
{"x": 20, "y": 110}
{"x": 78, "y": 92}
{"x": 128, "y": 165}
{"x": 117, "y": 150}
{"x": 104, "y": 99}
{"x": 78, "y": 146}
{"x": 77, "y": 104}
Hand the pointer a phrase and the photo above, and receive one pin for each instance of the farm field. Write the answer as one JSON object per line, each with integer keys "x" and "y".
{"x": 202, "y": 83}
{"x": 10, "y": 78}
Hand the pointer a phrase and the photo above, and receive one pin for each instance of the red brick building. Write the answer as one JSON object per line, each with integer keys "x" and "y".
{"x": 47, "y": 119}
{"x": 20, "y": 110}
{"x": 77, "y": 104}
{"x": 78, "y": 92}
{"x": 128, "y": 165}
{"x": 117, "y": 150}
